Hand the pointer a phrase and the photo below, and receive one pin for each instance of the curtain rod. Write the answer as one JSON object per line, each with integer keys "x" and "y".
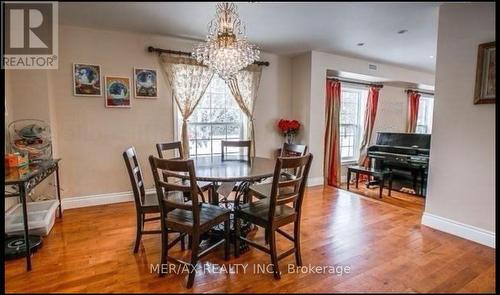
{"x": 419, "y": 91}
{"x": 355, "y": 82}
{"x": 160, "y": 50}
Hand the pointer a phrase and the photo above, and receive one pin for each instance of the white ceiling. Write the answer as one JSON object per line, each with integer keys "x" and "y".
{"x": 286, "y": 28}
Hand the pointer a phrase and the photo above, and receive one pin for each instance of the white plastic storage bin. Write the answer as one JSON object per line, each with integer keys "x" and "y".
{"x": 41, "y": 218}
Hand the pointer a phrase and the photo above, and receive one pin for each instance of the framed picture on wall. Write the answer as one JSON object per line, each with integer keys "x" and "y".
{"x": 485, "y": 91}
{"x": 145, "y": 83}
{"x": 117, "y": 92}
{"x": 87, "y": 80}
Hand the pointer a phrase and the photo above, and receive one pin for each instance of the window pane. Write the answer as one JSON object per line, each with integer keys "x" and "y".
{"x": 350, "y": 121}
{"x": 233, "y": 131}
{"x": 192, "y": 147}
{"x": 216, "y": 117}
{"x": 203, "y": 147}
{"x": 203, "y": 132}
{"x": 192, "y": 131}
{"x": 216, "y": 145}
{"x": 424, "y": 116}
{"x": 218, "y": 100}
{"x": 219, "y": 131}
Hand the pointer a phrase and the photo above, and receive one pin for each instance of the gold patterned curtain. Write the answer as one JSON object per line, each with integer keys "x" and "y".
{"x": 332, "y": 168}
{"x": 189, "y": 81}
{"x": 244, "y": 88}
{"x": 370, "y": 115}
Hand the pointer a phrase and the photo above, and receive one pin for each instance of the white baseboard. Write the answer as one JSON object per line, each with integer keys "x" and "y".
{"x": 101, "y": 199}
{"x": 112, "y": 198}
{"x": 313, "y": 181}
{"x": 462, "y": 230}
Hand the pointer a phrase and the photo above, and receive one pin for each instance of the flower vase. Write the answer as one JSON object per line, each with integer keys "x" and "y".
{"x": 290, "y": 137}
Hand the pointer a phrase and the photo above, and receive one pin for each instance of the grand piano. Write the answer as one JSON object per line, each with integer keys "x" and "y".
{"x": 406, "y": 154}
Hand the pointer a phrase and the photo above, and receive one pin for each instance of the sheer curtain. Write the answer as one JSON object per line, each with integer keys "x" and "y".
{"x": 189, "y": 81}
{"x": 244, "y": 87}
{"x": 411, "y": 121}
{"x": 370, "y": 114}
{"x": 332, "y": 168}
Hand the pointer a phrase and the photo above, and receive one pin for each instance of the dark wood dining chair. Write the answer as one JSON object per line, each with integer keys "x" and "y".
{"x": 293, "y": 150}
{"x": 189, "y": 218}
{"x": 175, "y": 148}
{"x": 145, "y": 204}
{"x": 247, "y": 144}
{"x": 274, "y": 210}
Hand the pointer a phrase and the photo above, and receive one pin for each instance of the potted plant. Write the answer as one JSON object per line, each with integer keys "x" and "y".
{"x": 289, "y": 129}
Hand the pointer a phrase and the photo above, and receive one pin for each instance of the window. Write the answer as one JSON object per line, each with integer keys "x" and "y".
{"x": 217, "y": 117}
{"x": 424, "y": 119}
{"x": 352, "y": 105}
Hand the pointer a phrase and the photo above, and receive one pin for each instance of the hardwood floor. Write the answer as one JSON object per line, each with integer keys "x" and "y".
{"x": 385, "y": 247}
{"x": 404, "y": 200}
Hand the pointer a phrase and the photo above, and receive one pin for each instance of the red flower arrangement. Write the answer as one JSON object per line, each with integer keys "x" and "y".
{"x": 288, "y": 128}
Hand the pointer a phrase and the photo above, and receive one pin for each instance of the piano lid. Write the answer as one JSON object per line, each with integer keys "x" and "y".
{"x": 422, "y": 141}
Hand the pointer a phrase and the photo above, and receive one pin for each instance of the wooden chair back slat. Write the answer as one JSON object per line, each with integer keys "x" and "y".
{"x": 165, "y": 189}
{"x": 135, "y": 175}
{"x": 284, "y": 191}
{"x": 175, "y": 187}
{"x": 175, "y": 147}
{"x": 291, "y": 182}
{"x": 285, "y": 199}
{"x": 293, "y": 150}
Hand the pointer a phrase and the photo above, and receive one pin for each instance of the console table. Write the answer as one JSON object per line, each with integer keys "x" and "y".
{"x": 26, "y": 178}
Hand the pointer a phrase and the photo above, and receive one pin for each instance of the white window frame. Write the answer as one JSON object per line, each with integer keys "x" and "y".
{"x": 426, "y": 125}
{"x": 177, "y": 126}
{"x": 359, "y": 124}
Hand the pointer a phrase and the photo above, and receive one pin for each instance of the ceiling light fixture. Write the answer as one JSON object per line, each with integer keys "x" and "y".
{"x": 226, "y": 50}
{"x": 403, "y": 31}
{"x": 360, "y": 44}
{"x": 431, "y": 56}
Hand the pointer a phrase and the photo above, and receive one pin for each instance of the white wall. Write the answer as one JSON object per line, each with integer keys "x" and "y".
{"x": 301, "y": 91}
{"x": 90, "y": 138}
{"x": 462, "y": 165}
{"x": 391, "y": 111}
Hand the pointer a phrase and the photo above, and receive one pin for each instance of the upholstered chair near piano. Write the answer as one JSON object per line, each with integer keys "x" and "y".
{"x": 406, "y": 154}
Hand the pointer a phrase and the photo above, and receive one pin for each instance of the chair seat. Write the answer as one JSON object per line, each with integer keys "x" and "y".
{"x": 210, "y": 215}
{"x": 150, "y": 203}
{"x": 263, "y": 190}
{"x": 258, "y": 212}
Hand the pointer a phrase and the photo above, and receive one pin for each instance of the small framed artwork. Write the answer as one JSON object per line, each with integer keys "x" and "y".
{"x": 145, "y": 83}
{"x": 117, "y": 92}
{"x": 485, "y": 91}
{"x": 87, "y": 80}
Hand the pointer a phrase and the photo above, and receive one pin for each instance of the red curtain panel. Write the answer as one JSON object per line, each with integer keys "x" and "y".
{"x": 332, "y": 134}
{"x": 411, "y": 122}
{"x": 370, "y": 115}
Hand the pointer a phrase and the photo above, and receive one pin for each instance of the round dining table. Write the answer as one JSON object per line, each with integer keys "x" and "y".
{"x": 214, "y": 169}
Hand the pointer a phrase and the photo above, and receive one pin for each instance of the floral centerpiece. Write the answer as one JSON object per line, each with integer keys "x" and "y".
{"x": 289, "y": 129}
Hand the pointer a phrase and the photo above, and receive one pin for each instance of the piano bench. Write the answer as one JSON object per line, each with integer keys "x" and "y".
{"x": 382, "y": 174}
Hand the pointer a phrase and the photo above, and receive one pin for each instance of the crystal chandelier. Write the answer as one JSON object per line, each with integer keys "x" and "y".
{"x": 226, "y": 50}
